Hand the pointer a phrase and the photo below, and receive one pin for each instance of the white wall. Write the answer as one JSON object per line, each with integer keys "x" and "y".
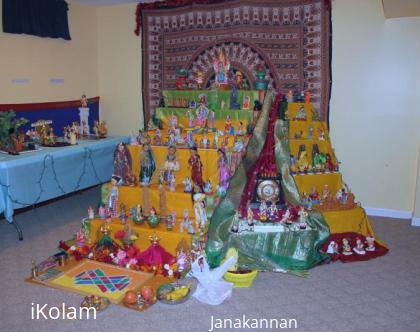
{"x": 375, "y": 104}
{"x": 119, "y": 69}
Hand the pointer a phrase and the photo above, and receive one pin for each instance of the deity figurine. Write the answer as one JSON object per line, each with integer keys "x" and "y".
{"x": 359, "y": 248}
{"x": 205, "y": 142}
{"x": 186, "y": 222}
{"x": 326, "y": 192}
{"x": 329, "y": 166}
{"x": 199, "y": 198}
{"x": 301, "y": 115}
{"x": 91, "y": 213}
{"x": 147, "y": 165}
{"x": 157, "y": 137}
{"x": 113, "y": 196}
{"x": 240, "y": 130}
{"x": 123, "y": 214}
{"x": 302, "y": 160}
{"x": 170, "y": 221}
{"x": 370, "y": 240}
{"x": 196, "y": 167}
{"x": 239, "y": 80}
{"x": 171, "y": 165}
{"x": 263, "y": 211}
{"x": 172, "y": 182}
{"x": 315, "y": 195}
{"x": 190, "y": 117}
{"x": 201, "y": 112}
{"x": 200, "y": 79}
{"x": 208, "y": 187}
{"x": 223, "y": 170}
{"x": 303, "y": 215}
{"x": 228, "y": 126}
{"x": 187, "y": 184}
{"x": 272, "y": 211}
{"x": 122, "y": 161}
{"x": 221, "y": 67}
{"x": 137, "y": 214}
{"x": 84, "y": 101}
{"x": 173, "y": 121}
{"x": 346, "y": 248}
{"x": 286, "y": 218}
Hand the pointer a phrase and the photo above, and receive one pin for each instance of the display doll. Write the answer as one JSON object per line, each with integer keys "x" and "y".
{"x": 103, "y": 130}
{"x": 113, "y": 196}
{"x": 157, "y": 137}
{"x": 196, "y": 167}
{"x": 201, "y": 118}
{"x": 205, "y": 143}
{"x": 315, "y": 195}
{"x": 286, "y": 218}
{"x": 84, "y": 101}
{"x": 329, "y": 167}
{"x": 326, "y": 192}
{"x": 198, "y": 198}
{"x": 171, "y": 164}
{"x": 210, "y": 120}
{"x": 310, "y": 131}
{"x": 321, "y": 135}
{"x": 190, "y": 117}
{"x": 308, "y": 97}
{"x": 240, "y": 130}
{"x": 172, "y": 182}
{"x": 346, "y": 248}
{"x": 235, "y": 223}
{"x": 223, "y": 169}
{"x": 187, "y": 184}
{"x": 91, "y": 213}
{"x": 170, "y": 221}
{"x": 301, "y": 115}
{"x": 123, "y": 213}
{"x": 147, "y": 165}
{"x": 293, "y": 168}
{"x": 370, "y": 240}
{"x": 182, "y": 260}
{"x": 122, "y": 161}
{"x": 173, "y": 121}
{"x": 102, "y": 212}
{"x": 359, "y": 248}
{"x": 138, "y": 218}
{"x": 303, "y": 215}
{"x": 153, "y": 218}
{"x": 302, "y": 162}
{"x": 250, "y": 216}
{"x": 272, "y": 212}
{"x": 229, "y": 130}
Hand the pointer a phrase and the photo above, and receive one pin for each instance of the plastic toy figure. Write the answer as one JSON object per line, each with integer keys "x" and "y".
{"x": 223, "y": 169}
{"x": 346, "y": 248}
{"x": 370, "y": 240}
{"x": 199, "y": 198}
{"x": 122, "y": 161}
{"x": 147, "y": 165}
{"x": 359, "y": 248}
{"x": 196, "y": 167}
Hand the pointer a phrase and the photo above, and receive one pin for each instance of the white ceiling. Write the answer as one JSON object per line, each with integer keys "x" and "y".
{"x": 401, "y": 8}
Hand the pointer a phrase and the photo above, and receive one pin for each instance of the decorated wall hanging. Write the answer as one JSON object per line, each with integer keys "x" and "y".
{"x": 289, "y": 38}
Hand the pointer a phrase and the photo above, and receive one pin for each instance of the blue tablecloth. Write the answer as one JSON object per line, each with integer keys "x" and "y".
{"x": 34, "y": 177}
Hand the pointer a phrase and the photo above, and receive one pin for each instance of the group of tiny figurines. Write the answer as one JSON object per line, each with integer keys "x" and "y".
{"x": 360, "y": 247}
{"x": 343, "y": 199}
{"x": 268, "y": 212}
{"x": 319, "y": 162}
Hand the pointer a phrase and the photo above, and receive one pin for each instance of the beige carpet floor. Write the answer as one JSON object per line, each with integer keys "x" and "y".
{"x": 378, "y": 295}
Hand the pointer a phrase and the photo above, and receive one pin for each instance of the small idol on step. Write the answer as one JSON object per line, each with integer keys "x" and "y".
{"x": 153, "y": 218}
{"x": 272, "y": 211}
{"x": 315, "y": 195}
{"x": 187, "y": 184}
{"x": 303, "y": 215}
{"x": 263, "y": 211}
{"x": 228, "y": 126}
{"x": 102, "y": 212}
{"x": 370, "y": 240}
{"x": 346, "y": 248}
{"x": 208, "y": 187}
{"x": 286, "y": 218}
{"x": 359, "y": 248}
{"x": 170, "y": 221}
{"x": 301, "y": 115}
{"x": 123, "y": 214}
{"x": 172, "y": 182}
{"x": 205, "y": 142}
{"x": 240, "y": 130}
{"x": 91, "y": 213}
{"x": 157, "y": 138}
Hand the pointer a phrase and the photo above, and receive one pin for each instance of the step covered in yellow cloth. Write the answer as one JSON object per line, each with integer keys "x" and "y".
{"x": 168, "y": 239}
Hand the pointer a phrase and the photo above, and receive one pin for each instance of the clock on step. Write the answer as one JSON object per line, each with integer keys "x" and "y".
{"x": 268, "y": 189}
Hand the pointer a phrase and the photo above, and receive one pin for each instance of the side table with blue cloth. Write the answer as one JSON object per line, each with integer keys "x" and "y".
{"x": 38, "y": 176}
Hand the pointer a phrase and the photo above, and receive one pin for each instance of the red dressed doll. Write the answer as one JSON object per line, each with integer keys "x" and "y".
{"x": 196, "y": 167}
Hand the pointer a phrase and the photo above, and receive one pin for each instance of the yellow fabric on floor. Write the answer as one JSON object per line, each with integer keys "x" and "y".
{"x": 168, "y": 239}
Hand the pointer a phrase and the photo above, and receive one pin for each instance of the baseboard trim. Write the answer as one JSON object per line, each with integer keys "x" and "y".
{"x": 398, "y": 214}
{"x": 415, "y": 221}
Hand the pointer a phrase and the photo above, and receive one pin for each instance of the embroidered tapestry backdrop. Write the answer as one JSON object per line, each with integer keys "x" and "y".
{"x": 291, "y": 38}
